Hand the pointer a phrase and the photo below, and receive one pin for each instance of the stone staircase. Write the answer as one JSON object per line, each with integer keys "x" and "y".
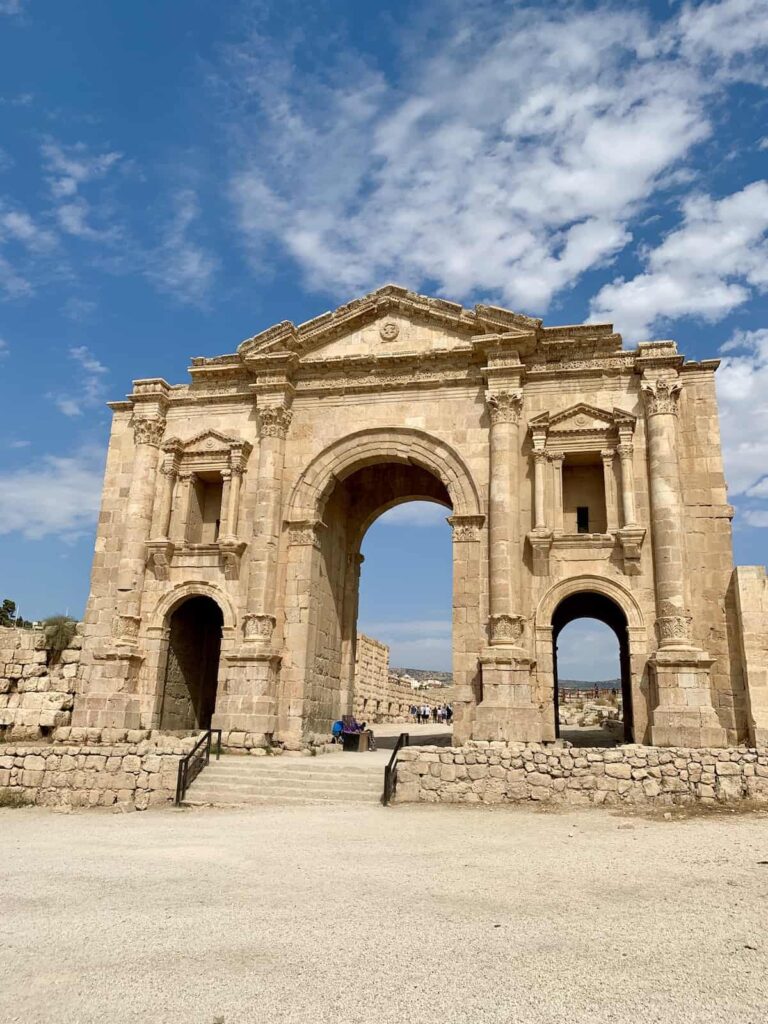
{"x": 238, "y": 780}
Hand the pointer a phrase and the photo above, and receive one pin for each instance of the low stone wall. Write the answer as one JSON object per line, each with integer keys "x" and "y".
{"x": 131, "y": 776}
{"x": 36, "y": 694}
{"x": 493, "y": 773}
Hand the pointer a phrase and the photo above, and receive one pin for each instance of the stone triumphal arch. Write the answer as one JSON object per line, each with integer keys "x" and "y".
{"x": 578, "y": 478}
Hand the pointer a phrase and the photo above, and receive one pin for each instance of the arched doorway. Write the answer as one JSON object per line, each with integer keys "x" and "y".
{"x": 335, "y": 500}
{"x": 192, "y": 665}
{"x": 590, "y": 605}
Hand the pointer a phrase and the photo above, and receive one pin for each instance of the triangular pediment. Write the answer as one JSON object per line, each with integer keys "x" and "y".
{"x": 579, "y": 418}
{"x": 389, "y": 321}
{"x": 207, "y": 442}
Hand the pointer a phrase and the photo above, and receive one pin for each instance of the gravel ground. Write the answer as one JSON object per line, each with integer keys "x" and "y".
{"x": 356, "y": 914}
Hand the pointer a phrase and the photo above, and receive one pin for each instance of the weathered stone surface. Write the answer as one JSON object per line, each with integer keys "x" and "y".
{"x": 596, "y": 776}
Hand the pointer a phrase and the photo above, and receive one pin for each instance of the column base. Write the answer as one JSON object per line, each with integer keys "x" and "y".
{"x": 507, "y": 711}
{"x": 684, "y": 716}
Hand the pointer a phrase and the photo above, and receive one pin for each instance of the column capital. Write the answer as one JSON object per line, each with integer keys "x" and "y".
{"x": 608, "y": 454}
{"x": 505, "y": 628}
{"x": 274, "y": 421}
{"x": 148, "y": 430}
{"x": 466, "y": 528}
{"x": 505, "y": 406}
{"x": 540, "y": 456}
{"x": 555, "y": 457}
{"x": 661, "y": 395}
{"x": 625, "y": 451}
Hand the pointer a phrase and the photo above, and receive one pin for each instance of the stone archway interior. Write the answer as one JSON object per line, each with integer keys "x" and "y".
{"x": 192, "y": 665}
{"x": 590, "y": 605}
{"x": 353, "y": 504}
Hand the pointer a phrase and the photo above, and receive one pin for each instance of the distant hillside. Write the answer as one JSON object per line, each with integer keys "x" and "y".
{"x": 422, "y": 674}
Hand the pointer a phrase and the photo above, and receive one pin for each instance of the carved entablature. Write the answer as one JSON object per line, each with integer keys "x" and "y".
{"x": 582, "y": 428}
{"x": 209, "y": 451}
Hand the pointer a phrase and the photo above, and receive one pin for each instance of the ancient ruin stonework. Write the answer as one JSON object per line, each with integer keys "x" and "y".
{"x": 493, "y": 773}
{"x": 578, "y": 477}
{"x": 378, "y": 695}
{"x": 36, "y": 690}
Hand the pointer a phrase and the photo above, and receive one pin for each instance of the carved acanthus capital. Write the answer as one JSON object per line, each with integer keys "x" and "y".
{"x": 661, "y": 396}
{"x": 540, "y": 456}
{"x": 625, "y": 451}
{"x": 506, "y": 629}
{"x": 274, "y": 421}
{"x": 466, "y": 528}
{"x": 673, "y": 629}
{"x": 505, "y": 406}
{"x": 608, "y": 455}
{"x": 258, "y": 626}
{"x": 556, "y": 458}
{"x": 148, "y": 431}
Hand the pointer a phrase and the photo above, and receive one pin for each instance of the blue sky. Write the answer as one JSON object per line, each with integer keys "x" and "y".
{"x": 175, "y": 177}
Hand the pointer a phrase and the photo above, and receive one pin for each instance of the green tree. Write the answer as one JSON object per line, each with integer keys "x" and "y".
{"x": 8, "y": 613}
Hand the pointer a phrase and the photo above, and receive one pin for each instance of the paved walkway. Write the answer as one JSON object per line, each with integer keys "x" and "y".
{"x": 361, "y": 914}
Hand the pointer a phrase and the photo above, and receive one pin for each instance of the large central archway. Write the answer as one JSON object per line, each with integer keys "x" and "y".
{"x": 334, "y": 502}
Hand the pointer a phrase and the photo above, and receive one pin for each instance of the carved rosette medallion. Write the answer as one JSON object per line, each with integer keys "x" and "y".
{"x": 506, "y": 629}
{"x": 389, "y": 330}
{"x": 505, "y": 406}
{"x": 258, "y": 626}
{"x": 148, "y": 431}
{"x": 274, "y": 421}
{"x": 466, "y": 528}
{"x": 661, "y": 396}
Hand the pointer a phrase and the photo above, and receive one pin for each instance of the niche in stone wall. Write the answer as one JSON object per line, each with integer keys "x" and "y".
{"x": 204, "y": 522}
{"x": 584, "y": 508}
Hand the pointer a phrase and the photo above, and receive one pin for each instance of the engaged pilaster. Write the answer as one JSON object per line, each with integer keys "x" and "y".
{"x": 684, "y": 715}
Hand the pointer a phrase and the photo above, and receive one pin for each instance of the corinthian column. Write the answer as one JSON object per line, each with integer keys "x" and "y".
{"x": 506, "y": 623}
{"x": 684, "y": 715}
{"x": 148, "y": 433}
{"x": 259, "y": 621}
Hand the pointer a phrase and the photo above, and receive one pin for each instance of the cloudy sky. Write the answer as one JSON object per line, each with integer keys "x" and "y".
{"x": 174, "y": 177}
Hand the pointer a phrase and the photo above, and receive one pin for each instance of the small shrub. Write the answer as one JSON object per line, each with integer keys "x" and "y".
{"x": 59, "y": 631}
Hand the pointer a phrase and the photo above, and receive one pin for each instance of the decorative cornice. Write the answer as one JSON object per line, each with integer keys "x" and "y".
{"x": 661, "y": 396}
{"x": 505, "y": 406}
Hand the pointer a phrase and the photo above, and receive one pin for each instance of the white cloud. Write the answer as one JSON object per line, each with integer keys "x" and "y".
{"x": 510, "y": 155}
{"x": 742, "y": 384}
{"x": 415, "y": 513}
{"x": 17, "y": 225}
{"x": 12, "y": 283}
{"x": 11, "y": 6}
{"x": 705, "y": 268}
{"x": 732, "y": 33}
{"x": 180, "y": 265}
{"x": 55, "y": 496}
{"x": 69, "y": 168}
{"x": 90, "y": 384}
{"x": 414, "y": 643}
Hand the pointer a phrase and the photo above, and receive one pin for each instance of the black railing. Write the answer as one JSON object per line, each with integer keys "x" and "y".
{"x": 390, "y": 772}
{"x": 193, "y": 763}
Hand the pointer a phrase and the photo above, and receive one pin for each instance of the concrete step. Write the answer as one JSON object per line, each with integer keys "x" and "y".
{"x": 264, "y": 786}
{"x": 241, "y": 773}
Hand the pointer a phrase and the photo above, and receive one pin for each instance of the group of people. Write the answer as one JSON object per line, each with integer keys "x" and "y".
{"x": 441, "y": 714}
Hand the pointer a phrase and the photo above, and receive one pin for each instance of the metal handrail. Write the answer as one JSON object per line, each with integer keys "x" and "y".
{"x": 390, "y": 772}
{"x": 193, "y": 763}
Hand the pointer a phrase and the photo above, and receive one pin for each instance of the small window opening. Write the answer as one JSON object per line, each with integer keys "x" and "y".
{"x": 205, "y": 509}
{"x": 582, "y": 519}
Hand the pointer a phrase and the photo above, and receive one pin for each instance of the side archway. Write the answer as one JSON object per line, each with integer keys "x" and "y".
{"x": 606, "y": 600}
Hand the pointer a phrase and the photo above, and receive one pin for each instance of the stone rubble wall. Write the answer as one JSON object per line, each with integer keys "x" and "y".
{"x": 128, "y": 776}
{"x": 35, "y": 696}
{"x": 495, "y": 772}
